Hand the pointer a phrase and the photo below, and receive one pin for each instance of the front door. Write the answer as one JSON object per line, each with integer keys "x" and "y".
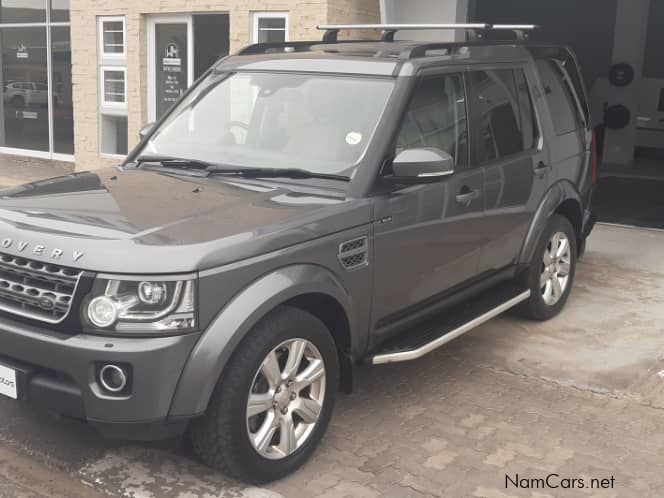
{"x": 428, "y": 238}
{"x": 170, "y": 59}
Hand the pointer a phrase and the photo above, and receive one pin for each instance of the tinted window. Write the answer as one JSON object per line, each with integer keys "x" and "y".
{"x": 559, "y": 96}
{"x": 527, "y": 115}
{"x": 436, "y": 117}
{"x": 498, "y": 114}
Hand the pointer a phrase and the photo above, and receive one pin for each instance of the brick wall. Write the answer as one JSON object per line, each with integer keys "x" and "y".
{"x": 303, "y": 17}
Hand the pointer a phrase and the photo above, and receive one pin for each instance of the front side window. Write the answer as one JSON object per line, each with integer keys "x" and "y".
{"x": 499, "y": 125}
{"x": 436, "y": 117}
{"x": 319, "y": 123}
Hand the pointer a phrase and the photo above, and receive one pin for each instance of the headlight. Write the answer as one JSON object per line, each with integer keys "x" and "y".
{"x": 132, "y": 304}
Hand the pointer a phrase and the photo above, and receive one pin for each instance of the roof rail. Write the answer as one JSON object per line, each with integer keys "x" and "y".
{"x": 475, "y": 30}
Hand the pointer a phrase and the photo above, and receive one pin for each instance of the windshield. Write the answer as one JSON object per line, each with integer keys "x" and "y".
{"x": 317, "y": 123}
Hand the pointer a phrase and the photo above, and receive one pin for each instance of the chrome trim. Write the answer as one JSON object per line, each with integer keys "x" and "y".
{"x": 441, "y": 341}
{"x": 104, "y": 383}
{"x": 435, "y": 174}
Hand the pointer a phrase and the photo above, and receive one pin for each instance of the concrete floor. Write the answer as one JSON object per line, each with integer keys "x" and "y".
{"x": 581, "y": 396}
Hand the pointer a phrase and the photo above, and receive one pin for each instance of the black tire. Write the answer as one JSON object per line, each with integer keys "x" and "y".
{"x": 535, "y": 308}
{"x": 220, "y": 437}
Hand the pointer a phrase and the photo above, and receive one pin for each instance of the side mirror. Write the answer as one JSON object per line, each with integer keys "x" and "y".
{"x": 424, "y": 165}
{"x": 145, "y": 131}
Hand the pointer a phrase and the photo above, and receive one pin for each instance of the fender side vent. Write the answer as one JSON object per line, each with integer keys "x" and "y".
{"x": 354, "y": 253}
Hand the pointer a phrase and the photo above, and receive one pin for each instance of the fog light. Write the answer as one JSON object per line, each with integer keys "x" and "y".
{"x": 152, "y": 292}
{"x": 112, "y": 378}
{"x": 102, "y": 311}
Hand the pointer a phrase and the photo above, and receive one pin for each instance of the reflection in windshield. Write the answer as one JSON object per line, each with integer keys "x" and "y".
{"x": 317, "y": 123}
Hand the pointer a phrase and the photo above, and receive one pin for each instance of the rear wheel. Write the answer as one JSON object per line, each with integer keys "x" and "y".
{"x": 551, "y": 273}
{"x": 274, "y": 400}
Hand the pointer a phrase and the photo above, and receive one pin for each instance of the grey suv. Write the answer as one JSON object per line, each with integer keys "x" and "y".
{"x": 304, "y": 208}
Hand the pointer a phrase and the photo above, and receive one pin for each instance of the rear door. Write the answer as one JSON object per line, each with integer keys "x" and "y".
{"x": 509, "y": 148}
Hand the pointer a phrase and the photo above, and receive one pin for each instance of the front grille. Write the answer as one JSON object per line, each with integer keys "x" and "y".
{"x": 32, "y": 289}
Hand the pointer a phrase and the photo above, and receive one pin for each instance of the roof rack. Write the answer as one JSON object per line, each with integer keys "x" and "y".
{"x": 476, "y": 31}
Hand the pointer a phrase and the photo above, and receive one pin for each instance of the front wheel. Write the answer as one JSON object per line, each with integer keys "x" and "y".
{"x": 274, "y": 400}
{"x": 551, "y": 273}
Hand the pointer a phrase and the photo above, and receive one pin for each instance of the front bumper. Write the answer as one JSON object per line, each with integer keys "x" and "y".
{"x": 59, "y": 372}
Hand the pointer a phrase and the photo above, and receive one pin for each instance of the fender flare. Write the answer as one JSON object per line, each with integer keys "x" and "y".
{"x": 220, "y": 340}
{"x": 559, "y": 193}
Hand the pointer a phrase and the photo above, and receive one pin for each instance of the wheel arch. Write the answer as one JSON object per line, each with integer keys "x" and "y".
{"x": 562, "y": 198}
{"x": 312, "y": 288}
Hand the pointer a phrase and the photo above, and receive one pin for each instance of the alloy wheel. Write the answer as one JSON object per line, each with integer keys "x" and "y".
{"x": 286, "y": 399}
{"x": 556, "y": 266}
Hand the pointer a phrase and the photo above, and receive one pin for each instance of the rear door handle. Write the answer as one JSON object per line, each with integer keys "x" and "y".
{"x": 466, "y": 196}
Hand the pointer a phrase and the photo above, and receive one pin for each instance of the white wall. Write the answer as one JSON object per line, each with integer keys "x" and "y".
{"x": 426, "y": 11}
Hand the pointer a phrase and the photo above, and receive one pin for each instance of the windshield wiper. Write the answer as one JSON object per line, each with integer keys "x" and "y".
{"x": 276, "y": 173}
{"x": 177, "y": 162}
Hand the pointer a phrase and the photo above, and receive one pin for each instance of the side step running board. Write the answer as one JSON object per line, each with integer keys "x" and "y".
{"x": 402, "y": 352}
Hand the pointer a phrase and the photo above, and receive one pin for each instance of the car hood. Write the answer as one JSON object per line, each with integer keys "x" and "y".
{"x": 142, "y": 221}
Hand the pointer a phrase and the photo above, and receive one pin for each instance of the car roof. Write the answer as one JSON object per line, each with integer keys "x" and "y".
{"x": 378, "y": 58}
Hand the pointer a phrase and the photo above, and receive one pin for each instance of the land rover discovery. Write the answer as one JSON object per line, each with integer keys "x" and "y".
{"x": 304, "y": 208}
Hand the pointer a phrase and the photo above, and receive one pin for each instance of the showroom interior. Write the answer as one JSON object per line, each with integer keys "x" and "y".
{"x": 619, "y": 46}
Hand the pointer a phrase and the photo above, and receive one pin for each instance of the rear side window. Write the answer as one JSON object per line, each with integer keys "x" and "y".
{"x": 559, "y": 96}
{"x": 436, "y": 117}
{"x": 505, "y": 117}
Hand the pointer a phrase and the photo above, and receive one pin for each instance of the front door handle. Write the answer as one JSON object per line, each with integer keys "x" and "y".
{"x": 467, "y": 195}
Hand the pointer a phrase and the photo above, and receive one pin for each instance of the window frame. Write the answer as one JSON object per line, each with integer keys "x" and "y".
{"x": 101, "y": 20}
{"x": 109, "y": 105}
{"x": 110, "y": 62}
{"x": 538, "y": 142}
{"x": 258, "y": 15}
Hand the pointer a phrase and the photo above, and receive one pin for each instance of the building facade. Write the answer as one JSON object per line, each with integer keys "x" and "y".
{"x": 80, "y": 78}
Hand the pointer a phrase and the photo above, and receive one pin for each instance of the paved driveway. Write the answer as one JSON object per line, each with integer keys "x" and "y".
{"x": 580, "y": 396}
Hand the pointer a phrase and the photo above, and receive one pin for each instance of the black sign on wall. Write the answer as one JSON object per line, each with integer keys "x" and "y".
{"x": 172, "y": 64}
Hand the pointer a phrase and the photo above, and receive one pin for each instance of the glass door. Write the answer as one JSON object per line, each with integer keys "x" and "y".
{"x": 170, "y": 64}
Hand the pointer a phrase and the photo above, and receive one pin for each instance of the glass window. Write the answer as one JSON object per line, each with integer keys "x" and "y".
{"x": 113, "y": 138}
{"x": 436, "y": 117}
{"x": 528, "y": 119}
{"x": 22, "y": 11}
{"x": 112, "y": 35}
{"x": 559, "y": 97}
{"x": 270, "y": 27}
{"x": 315, "y": 122}
{"x": 114, "y": 86}
{"x": 25, "y": 98}
{"x": 114, "y": 134}
{"x": 211, "y": 40}
{"x": 63, "y": 114}
{"x": 59, "y": 10}
{"x": 498, "y": 115}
